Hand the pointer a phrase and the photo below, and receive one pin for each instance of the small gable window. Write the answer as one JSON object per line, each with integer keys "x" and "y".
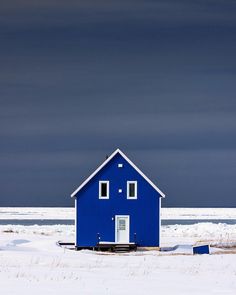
{"x": 104, "y": 189}
{"x": 131, "y": 189}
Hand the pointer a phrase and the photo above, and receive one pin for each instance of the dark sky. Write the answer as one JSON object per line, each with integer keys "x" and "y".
{"x": 155, "y": 78}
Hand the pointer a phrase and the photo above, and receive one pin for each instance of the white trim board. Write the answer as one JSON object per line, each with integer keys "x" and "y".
{"x": 75, "y": 221}
{"x": 118, "y": 151}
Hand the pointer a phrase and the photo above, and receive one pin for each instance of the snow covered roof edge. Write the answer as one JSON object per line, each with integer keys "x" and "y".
{"x": 108, "y": 160}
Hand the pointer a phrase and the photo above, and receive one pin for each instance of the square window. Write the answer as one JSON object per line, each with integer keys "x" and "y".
{"x": 120, "y": 165}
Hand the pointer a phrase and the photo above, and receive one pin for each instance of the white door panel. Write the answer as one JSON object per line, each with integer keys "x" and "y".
{"x": 122, "y": 229}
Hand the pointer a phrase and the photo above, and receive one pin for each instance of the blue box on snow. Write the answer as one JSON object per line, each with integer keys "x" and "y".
{"x": 203, "y": 249}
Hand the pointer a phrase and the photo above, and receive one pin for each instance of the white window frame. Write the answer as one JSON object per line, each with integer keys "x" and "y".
{"x": 100, "y": 189}
{"x": 135, "y": 189}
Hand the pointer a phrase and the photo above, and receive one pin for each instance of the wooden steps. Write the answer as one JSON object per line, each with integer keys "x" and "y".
{"x": 121, "y": 248}
{"x": 112, "y": 247}
{"x": 117, "y": 248}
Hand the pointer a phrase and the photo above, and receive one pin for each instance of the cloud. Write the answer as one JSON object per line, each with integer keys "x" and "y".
{"x": 81, "y": 78}
{"x": 189, "y": 178}
{"x": 66, "y": 13}
{"x": 164, "y": 131}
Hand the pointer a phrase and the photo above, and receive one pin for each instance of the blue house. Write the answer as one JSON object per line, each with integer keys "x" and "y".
{"x": 117, "y": 204}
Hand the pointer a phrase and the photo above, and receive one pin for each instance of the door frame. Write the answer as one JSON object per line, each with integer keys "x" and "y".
{"x": 128, "y": 228}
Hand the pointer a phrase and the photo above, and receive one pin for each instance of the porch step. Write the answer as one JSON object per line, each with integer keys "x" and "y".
{"x": 123, "y": 248}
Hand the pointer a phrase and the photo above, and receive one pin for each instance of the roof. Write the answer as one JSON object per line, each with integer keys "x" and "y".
{"x": 118, "y": 151}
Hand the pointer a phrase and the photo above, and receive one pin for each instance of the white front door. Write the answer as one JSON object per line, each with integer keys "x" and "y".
{"x": 122, "y": 229}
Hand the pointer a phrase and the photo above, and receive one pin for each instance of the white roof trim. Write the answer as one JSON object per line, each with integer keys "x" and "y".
{"x": 129, "y": 161}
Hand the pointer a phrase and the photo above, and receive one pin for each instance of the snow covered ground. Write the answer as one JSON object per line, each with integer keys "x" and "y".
{"x": 198, "y": 213}
{"x": 68, "y": 213}
{"x": 31, "y": 261}
{"x": 37, "y": 213}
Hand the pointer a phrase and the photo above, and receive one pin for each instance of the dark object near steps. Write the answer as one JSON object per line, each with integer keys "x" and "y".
{"x": 121, "y": 248}
{"x": 117, "y": 248}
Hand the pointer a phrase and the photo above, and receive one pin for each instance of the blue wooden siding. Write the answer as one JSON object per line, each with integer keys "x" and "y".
{"x": 95, "y": 216}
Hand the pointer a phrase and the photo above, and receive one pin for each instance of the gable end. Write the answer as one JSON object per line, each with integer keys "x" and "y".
{"x": 108, "y": 160}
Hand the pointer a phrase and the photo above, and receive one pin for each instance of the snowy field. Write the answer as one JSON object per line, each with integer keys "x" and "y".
{"x": 36, "y": 213}
{"x": 198, "y": 213}
{"x": 30, "y": 260}
{"x": 68, "y": 213}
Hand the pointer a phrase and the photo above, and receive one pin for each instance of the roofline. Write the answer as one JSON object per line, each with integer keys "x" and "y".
{"x": 129, "y": 161}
